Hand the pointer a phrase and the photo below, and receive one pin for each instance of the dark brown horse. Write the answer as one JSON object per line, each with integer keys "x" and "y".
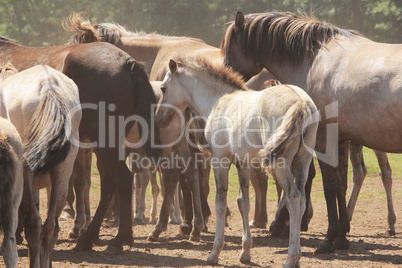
{"x": 112, "y": 88}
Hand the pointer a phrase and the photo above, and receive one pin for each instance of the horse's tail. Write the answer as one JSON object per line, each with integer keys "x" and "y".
{"x": 291, "y": 127}
{"x": 8, "y": 165}
{"x": 49, "y": 131}
{"x": 145, "y": 101}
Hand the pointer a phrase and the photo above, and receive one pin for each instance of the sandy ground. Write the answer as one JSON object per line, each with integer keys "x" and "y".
{"x": 369, "y": 247}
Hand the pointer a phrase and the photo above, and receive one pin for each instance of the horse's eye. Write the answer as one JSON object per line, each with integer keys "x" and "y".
{"x": 163, "y": 89}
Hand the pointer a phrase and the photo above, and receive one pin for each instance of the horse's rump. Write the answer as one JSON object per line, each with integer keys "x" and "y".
{"x": 50, "y": 129}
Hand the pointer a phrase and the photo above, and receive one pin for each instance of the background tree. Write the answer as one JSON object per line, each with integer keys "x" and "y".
{"x": 38, "y": 22}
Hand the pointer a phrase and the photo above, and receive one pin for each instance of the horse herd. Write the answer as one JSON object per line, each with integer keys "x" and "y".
{"x": 338, "y": 91}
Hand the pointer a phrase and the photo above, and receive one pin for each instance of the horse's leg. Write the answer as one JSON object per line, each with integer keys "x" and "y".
{"x": 78, "y": 179}
{"x": 341, "y": 242}
{"x": 359, "y": 173}
{"x": 331, "y": 183}
{"x": 187, "y": 225}
{"x": 32, "y": 221}
{"x": 60, "y": 177}
{"x": 170, "y": 179}
{"x": 9, "y": 245}
{"x": 197, "y": 204}
{"x": 91, "y": 235}
{"x": 191, "y": 179}
{"x": 124, "y": 186}
{"x": 155, "y": 192}
{"x": 175, "y": 211}
{"x": 115, "y": 206}
{"x": 386, "y": 177}
{"x": 260, "y": 183}
{"x": 221, "y": 180}
{"x": 141, "y": 180}
{"x": 278, "y": 227}
{"x": 258, "y": 193}
{"x": 308, "y": 213}
{"x": 243, "y": 202}
{"x": 171, "y": 210}
{"x": 203, "y": 180}
{"x": 292, "y": 177}
{"x": 68, "y": 210}
{"x": 87, "y": 188}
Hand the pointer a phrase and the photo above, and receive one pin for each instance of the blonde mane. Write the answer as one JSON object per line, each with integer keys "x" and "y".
{"x": 86, "y": 31}
{"x": 218, "y": 72}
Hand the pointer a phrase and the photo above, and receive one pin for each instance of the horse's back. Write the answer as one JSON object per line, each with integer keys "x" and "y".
{"x": 22, "y": 92}
{"x": 364, "y": 78}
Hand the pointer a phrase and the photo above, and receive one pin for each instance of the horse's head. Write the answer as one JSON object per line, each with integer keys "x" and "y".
{"x": 6, "y": 71}
{"x": 173, "y": 100}
{"x": 232, "y": 46}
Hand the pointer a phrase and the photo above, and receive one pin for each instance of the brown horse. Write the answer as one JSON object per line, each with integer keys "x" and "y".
{"x": 348, "y": 76}
{"x": 111, "y": 86}
{"x": 154, "y": 51}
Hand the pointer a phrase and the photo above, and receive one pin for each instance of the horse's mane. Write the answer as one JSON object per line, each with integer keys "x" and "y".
{"x": 6, "y": 39}
{"x": 111, "y": 32}
{"x": 218, "y": 72}
{"x": 284, "y": 35}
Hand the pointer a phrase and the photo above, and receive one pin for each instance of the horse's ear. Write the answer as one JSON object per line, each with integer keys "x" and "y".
{"x": 172, "y": 66}
{"x": 239, "y": 21}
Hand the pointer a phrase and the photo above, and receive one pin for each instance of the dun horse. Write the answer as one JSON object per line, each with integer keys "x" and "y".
{"x": 348, "y": 76}
{"x": 231, "y": 114}
{"x": 39, "y": 102}
{"x": 11, "y": 188}
{"x": 111, "y": 86}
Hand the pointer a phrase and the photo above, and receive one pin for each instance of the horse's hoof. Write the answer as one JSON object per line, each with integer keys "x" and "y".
{"x": 195, "y": 237}
{"x": 390, "y": 233}
{"x": 212, "y": 259}
{"x": 153, "y": 220}
{"x": 304, "y": 228}
{"x": 245, "y": 258}
{"x": 185, "y": 229}
{"x": 325, "y": 248}
{"x": 205, "y": 230}
{"x": 73, "y": 235}
{"x": 342, "y": 244}
{"x": 138, "y": 221}
{"x": 114, "y": 250}
{"x": 277, "y": 229}
{"x": 153, "y": 237}
{"x": 83, "y": 246}
{"x": 257, "y": 225}
{"x": 68, "y": 213}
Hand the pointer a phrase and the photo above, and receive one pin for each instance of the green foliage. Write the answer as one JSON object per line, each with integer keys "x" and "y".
{"x": 38, "y": 22}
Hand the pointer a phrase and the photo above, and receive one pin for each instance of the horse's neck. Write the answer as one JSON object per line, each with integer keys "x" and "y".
{"x": 208, "y": 93}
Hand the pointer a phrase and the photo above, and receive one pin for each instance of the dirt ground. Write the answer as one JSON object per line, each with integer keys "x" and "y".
{"x": 369, "y": 247}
